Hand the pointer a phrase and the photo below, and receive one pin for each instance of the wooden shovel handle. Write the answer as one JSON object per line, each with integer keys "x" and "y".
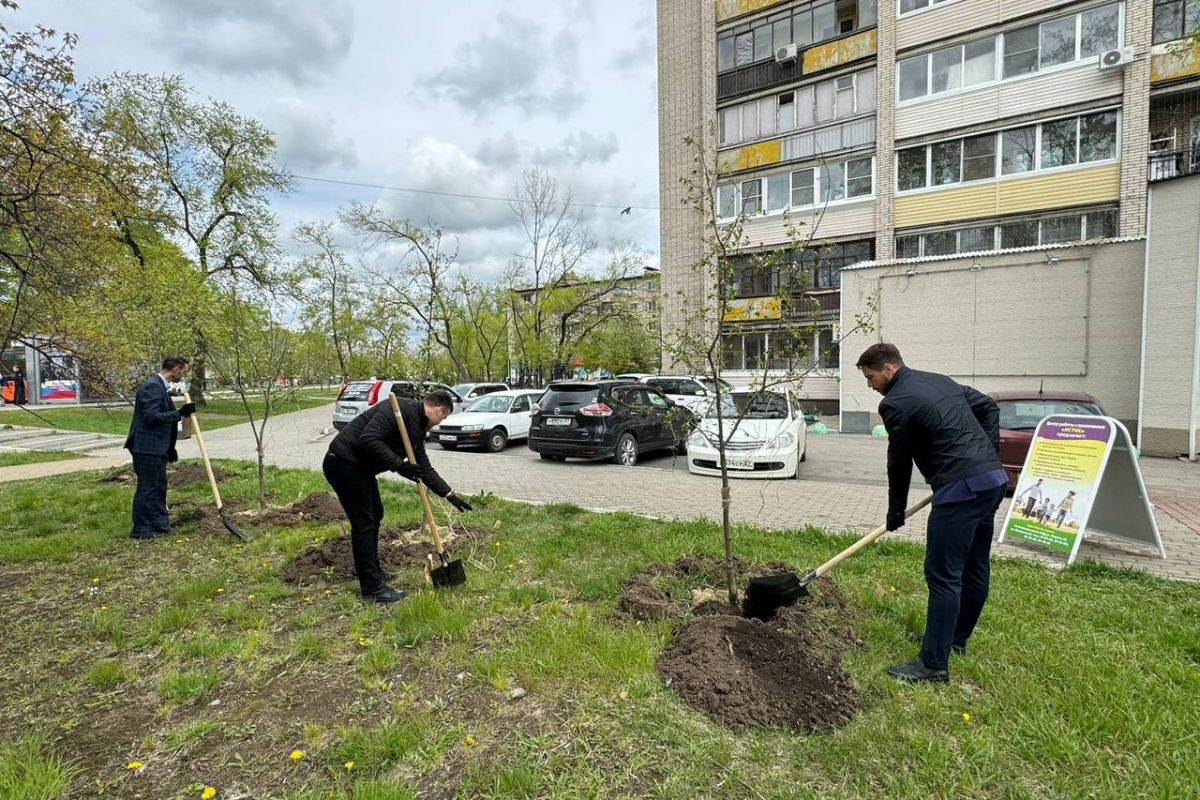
{"x": 866, "y": 540}
{"x": 212, "y": 479}
{"x": 412, "y": 459}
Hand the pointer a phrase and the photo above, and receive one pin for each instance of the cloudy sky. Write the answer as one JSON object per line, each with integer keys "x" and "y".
{"x": 457, "y": 96}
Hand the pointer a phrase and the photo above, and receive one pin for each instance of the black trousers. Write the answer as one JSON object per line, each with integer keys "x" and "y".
{"x": 358, "y": 492}
{"x": 150, "y": 496}
{"x": 958, "y": 548}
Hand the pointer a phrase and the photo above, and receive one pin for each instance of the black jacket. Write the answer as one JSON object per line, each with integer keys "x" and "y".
{"x": 373, "y": 442}
{"x": 153, "y": 429}
{"x": 951, "y": 431}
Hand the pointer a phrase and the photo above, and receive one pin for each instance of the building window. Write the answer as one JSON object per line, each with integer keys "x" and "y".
{"x": 1025, "y": 232}
{"x": 826, "y": 101}
{"x": 757, "y": 41}
{"x": 1023, "y": 51}
{"x": 1174, "y": 19}
{"x": 828, "y": 183}
{"x": 1084, "y": 139}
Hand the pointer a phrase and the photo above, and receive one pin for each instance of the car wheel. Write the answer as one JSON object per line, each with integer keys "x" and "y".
{"x": 627, "y": 451}
{"x": 548, "y": 457}
{"x": 496, "y": 440}
{"x": 447, "y": 446}
{"x": 803, "y": 455}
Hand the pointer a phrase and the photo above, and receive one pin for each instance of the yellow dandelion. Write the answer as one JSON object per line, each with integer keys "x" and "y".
{"x": 220, "y": 589}
{"x": 296, "y": 755}
{"x": 966, "y": 717}
{"x": 103, "y": 608}
{"x": 249, "y": 597}
{"x": 208, "y": 794}
{"x": 266, "y": 564}
{"x": 329, "y": 591}
{"x": 470, "y": 740}
{"x": 891, "y": 588}
{"x": 134, "y": 765}
{"x": 520, "y": 562}
{"x": 307, "y": 598}
{"x": 95, "y": 581}
{"x": 510, "y": 565}
{"x": 349, "y": 765}
{"x": 179, "y": 541}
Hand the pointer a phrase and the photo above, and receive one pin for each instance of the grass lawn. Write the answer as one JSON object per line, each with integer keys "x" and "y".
{"x": 190, "y": 656}
{"x": 221, "y": 412}
{"x": 9, "y": 459}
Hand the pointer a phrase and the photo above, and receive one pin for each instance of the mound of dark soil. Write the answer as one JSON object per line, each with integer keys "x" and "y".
{"x": 744, "y": 673}
{"x": 741, "y": 672}
{"x": 121, "y": 474}
{"x": 398, "y": 549}
{"x": 317, "y": 507}
{"x": 188, "y": 474}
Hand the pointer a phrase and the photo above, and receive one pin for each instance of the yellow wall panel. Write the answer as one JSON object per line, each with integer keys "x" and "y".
{"x": 1095, "y": 185}
{"x": 753, "y": 309}
{"x": 932, "y": 208}
{"x": 842, "y": 51}
{"x": 1178, "y": 59}
{"x": 1037, "y": 193}
{"x": 749, "y": 157}
{"x": 727, "y": 9}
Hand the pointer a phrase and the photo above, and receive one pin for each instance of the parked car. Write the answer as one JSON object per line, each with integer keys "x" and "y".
{"x": 473, "y": 391}
{"x": 768, "y": 442}
{"x": 682, "y": 389}
{"x": 1020, "y": 413}
{"x": 491, "y": 421}
{"x": 607, "y": 419}
{"x": 707, "y": 382}
{"x": 631, "y": 376}
{"x": 357, "y": 396}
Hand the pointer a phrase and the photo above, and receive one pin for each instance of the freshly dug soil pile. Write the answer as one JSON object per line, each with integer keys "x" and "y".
{"x": 121, "y": 474}
{"x": 741, "y": 672}
{"x": 398, "y": 549}
{"x": 744, "y": 673}
{"x": 187, "y": 474}
{"x": 317, "y": 507}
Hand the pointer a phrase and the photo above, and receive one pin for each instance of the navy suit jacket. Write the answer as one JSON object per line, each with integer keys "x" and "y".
{"x": 153, "y": 429}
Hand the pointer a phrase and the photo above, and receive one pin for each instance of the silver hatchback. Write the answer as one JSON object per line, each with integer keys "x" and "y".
{"x": 357, "y": 396}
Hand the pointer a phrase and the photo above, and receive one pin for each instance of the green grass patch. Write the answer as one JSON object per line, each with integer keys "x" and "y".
{"x": 1083, "y": 683}
{"x": 35, "y": 457}
{"x": 29, "y": 770}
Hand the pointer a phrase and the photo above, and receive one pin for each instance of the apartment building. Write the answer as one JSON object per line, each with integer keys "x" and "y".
{"x": 896, "y": 133}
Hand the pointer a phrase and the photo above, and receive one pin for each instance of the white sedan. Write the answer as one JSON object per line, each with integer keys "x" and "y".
{"x": 490, "y": 422}
{"x": 768, "y": 441}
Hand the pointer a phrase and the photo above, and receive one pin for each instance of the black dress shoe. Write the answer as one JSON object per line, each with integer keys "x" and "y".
{"x": 915, "y": 671}
{"x": 386, "y": 594}
{"x": 960, "y": 649}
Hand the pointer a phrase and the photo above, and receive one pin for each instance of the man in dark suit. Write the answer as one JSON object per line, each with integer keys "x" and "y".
{"x": 151, "y": 440}
{"x": 369, "y": 445}
{"x": 952, "y": 432}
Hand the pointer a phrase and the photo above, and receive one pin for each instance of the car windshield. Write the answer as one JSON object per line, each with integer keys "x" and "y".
{"x": 1024, "y": 415}
{"x": 490, "y": 403}
{"x": 461, "y": 389}
{"x": 750, "y": 406}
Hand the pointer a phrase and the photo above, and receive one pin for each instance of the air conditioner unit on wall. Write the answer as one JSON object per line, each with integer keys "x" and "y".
{"x": 785, "y": 54}
{"x": 1111, "y": 59}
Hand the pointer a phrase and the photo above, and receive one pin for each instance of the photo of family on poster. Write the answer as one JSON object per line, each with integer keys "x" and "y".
{"x": 1049, "y": 505}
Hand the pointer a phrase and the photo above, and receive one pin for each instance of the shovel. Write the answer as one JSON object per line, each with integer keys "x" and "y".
{"x": 212, "y": 479}
{"x": 450, "y": 573}
{"x": 767, "y": 593}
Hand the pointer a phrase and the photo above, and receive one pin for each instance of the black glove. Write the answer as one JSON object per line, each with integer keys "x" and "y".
{"x": 187, "y": 409}
{"x": 458, "y": 502}
{"x": 410, "y": 471}
{"x": 895, "y": 520}
{"x": 172, "y": 456}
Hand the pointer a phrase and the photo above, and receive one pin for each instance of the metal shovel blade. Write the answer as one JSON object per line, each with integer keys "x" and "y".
{"x": 451, "y": 574}
{"x": 766, "y": 594}
{"x": 229, "y": 526}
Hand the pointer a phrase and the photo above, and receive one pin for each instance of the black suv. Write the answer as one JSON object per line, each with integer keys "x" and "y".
{"x": 607, "y": 419}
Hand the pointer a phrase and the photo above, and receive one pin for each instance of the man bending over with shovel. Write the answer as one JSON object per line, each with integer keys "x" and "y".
{"x": 952, "y": 432}
{"x": 369, "y": 445}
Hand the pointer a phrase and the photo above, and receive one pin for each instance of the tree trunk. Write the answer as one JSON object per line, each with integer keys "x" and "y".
{"x": 262, "y": 479}
{"x": 199, "y": 377}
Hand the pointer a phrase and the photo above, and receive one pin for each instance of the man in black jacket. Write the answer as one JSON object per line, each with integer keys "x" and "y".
{"x": 369, "y": 445}
{"x": 151, "y": 442}
{"x": 952, "y": 432}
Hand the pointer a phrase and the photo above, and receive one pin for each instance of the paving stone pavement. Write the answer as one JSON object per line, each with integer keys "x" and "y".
{"x": 841, "y": 489}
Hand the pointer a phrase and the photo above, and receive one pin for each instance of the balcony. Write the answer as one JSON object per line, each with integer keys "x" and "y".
{"x": 1174, "y": 134}
{"x": 847, "y": 49}
{"x": 1164, "y": 165}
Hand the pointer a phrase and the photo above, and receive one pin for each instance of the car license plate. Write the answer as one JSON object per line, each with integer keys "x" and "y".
{"x": 739, "y": 463}
{"x": 444, "y": 438}
{"x": 558, "y": 421}
{"x": 349, "y": 410}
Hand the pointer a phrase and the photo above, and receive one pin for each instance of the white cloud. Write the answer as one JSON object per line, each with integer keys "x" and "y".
{"x": 307, "y": 138}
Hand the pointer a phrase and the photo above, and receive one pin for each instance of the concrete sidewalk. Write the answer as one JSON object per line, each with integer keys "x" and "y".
{"x": 852, "y": 498}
